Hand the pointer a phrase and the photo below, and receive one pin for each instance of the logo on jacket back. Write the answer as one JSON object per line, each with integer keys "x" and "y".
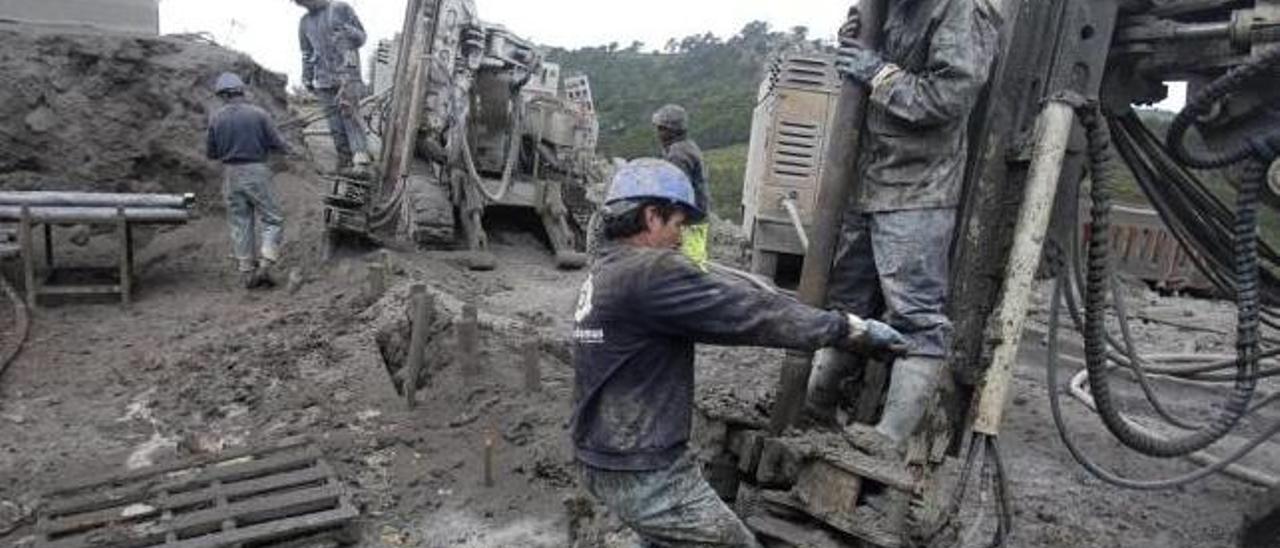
{"x": 585, "y": 306}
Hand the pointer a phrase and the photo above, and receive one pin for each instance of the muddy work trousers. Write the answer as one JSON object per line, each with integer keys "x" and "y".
{"x": 894, "y": 265}
{"x": 342, "y": 107}
{"x": 671, "y": 508}
{"x": 251, "y": 202}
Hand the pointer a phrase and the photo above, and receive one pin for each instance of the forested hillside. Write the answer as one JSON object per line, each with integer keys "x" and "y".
{"x": 715, "y": 79}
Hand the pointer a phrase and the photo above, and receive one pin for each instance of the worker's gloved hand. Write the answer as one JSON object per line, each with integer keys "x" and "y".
{"x": 876, "y": 338}
{"x": 859, "y": 63}
{"x": 852, "y": 27}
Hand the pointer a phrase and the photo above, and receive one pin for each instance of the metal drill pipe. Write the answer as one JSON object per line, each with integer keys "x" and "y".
{"x": 1052, "y": 137}
{"x": 833, "y": 195}
{"x": 42, "y": 214}
{"x": 94, "y": 199}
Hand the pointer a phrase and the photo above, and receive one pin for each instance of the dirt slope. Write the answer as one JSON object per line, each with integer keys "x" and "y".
{"x": 86, "y": 110}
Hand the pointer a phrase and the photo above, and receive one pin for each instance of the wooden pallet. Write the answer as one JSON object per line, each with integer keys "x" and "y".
{"x": 248, "y": 498}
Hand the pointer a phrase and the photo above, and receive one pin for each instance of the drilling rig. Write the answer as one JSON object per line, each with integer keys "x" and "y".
{"x": 1058, "y": 117}
{"x": 473, "y": 121}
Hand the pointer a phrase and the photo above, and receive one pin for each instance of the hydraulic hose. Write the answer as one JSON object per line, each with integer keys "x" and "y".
{"x": 1096, "y": 354}
{"x": 1055, "y": 406}
{"x": 1200, "y": 106}
{"x": 513, "y": 154}
{"x": 22, "y": 326}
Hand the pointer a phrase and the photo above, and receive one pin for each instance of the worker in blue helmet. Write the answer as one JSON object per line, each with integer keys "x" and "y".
{"x": 641, "y": 310}
{"x": 242, "y": 136}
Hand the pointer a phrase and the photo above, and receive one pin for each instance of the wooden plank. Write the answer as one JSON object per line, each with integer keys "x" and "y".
{"x": 266, "y": 531}
{"x": 103, "y": 495}
{"x": 93, "y": 483}
{"x": 825, "y": 489}
{"x": 863, "y": 523}
{"x": 793, "y": 534}
{"x": 833, "y": 449}
{"x": 264, "y": 508}
{"x": 166, "y": 504}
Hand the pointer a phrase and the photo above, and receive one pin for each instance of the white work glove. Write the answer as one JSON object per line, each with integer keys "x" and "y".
{"x": 875, "y": 338}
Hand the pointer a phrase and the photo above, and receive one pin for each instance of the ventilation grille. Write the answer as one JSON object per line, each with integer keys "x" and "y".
{"x": 810, "y": 73}
{"x": 797, "y": 151}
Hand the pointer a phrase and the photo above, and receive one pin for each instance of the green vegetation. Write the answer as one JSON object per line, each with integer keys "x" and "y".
{"x": 715, "y": 79}
{"x": 726, "y": 166}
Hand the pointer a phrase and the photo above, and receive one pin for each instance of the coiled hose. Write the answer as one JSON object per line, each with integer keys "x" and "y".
{"x": 1245, "y": 267}
{"x": 1201, "y": 105}
{"x": 22, "y": 327}
{"x": 513, "y": 154}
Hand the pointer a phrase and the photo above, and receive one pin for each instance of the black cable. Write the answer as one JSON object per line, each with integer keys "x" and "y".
{"x": 1201, "y": 105}
{"x": 1246, "y": 256}
{"x": 21, "y": 327}
{"x": 1055, "y": 407}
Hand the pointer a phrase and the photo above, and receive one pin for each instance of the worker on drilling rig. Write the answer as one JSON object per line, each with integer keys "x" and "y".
{"x": 642, "y": 308}
{"x": 242, "y": 136}
{"x": 671, "y": 123}
{"x": 892, "y": 258}
{"x": 331, "y": 36}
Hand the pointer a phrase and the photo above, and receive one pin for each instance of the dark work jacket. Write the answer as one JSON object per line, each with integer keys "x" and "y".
{"x": 241, "y": 133}
{"x": 686, "y": 155}
{"x": 916, "y": 146}
{"x": 330, "y": 39}
{"x": 639, "y": 314}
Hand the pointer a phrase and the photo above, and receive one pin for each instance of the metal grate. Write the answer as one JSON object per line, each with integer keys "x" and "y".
{"x": 247, "y": 498}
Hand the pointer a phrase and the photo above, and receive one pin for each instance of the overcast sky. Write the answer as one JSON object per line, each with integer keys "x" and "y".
{"x": 267, "y": 29}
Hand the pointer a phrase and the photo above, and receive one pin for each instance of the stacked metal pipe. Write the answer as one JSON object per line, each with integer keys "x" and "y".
{"x": 79, "y": 207}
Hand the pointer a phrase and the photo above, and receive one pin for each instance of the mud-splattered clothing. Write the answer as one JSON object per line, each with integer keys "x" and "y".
{"x": 242, "y": 136}
{"x": 331, "y": 39}
{"x": 914, "y": 154}
{"x": 242, "y": 133}
{"x": 670, "y": 507}
{"x": 252, "y": 204}
{"x": 639, "y": 314}
{"x": 686, "y": 155}
{"x": 894, "y": 265}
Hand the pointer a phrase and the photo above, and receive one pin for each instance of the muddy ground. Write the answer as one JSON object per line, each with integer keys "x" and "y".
{"x": 196, "y": 358}
{"x": 198, "y": 364}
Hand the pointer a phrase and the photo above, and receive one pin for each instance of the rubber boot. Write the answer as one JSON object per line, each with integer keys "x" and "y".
{"x": 915, "y": 379}
{"x": 830, "y": 367}
{"x": 248, "y": 274}
{"x": 263, "y": 273}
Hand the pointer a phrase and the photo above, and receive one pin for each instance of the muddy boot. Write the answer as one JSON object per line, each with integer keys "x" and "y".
{"x": 915, "y": 379}
{"x": 830, "y": 367}
{"x": 262, "y": 274}
{"x": 248, "y": 275}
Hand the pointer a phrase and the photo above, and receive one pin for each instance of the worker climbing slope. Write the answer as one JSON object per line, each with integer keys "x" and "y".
{"x": 639, "y": 314}
{"x": 892, "y": 258}
{"x": 242, "y": 136}
{"x": 331, "y": 36}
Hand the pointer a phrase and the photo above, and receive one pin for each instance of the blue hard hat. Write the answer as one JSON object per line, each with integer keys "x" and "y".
{"x": 228, "y": 83}
{"x": 650, "y": 178}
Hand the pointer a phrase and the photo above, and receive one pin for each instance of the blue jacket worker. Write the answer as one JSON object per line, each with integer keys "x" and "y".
{"x": 641, "y": 310}
{"x": 331, "y": 35}
{"x": 242, "y": 136}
